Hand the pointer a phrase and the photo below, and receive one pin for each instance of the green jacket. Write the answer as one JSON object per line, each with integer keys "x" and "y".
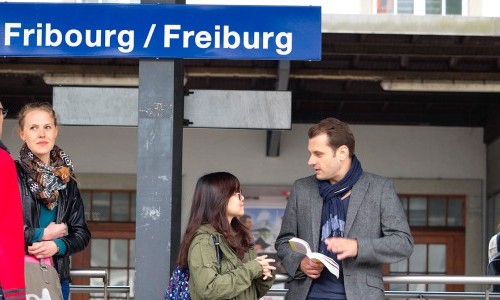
{"x": 235, "y": 280}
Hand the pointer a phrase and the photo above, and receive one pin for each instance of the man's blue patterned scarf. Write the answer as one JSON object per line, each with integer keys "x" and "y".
{"x": 333, "y": 216}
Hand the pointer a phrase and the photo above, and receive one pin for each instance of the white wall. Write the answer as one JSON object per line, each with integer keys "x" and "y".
{"x": 490, "y": 8}
{"x": 392, "y": 151}
{"x": 93, "y": 149}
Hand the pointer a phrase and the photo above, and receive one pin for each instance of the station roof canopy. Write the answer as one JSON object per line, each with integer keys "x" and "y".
{"x": 398, "y": 70}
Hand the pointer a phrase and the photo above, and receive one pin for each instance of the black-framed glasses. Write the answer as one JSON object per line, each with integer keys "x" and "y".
{"x": 240, "y": 196}
{"x": 4, "y": 111}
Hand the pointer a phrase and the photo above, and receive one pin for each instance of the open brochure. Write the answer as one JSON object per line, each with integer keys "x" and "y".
{"x": 301, "y": 246}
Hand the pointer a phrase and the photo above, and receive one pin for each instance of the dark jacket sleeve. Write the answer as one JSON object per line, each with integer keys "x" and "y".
{"x": 289, "y": 258}
{"x": 78, "y": 233}
{"x": 30, "y": 212}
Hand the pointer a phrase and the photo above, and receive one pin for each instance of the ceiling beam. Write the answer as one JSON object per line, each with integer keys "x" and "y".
{"x": 311, "y": 72}
{"x": 24, "y": 68}
{"x": 427, "y": 50}
{"x": 393, "y": 118}
{"x": 441, "y": 86}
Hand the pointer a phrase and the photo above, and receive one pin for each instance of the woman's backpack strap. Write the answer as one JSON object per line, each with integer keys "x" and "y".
{"x": 217, "y": 248}
{"x": 498, "y": 242}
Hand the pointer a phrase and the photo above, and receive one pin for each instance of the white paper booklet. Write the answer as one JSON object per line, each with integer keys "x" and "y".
{"x": 301, "y": 246}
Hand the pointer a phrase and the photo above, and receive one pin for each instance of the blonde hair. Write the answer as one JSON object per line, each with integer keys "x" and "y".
{"x": 45, "y": 106}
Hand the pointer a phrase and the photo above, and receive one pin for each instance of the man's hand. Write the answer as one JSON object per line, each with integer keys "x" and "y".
{"x": 311, "y": 268}
{"x": 343, "y": 247}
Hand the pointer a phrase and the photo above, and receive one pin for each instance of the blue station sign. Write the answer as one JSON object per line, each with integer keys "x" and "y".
{"x": 160, "y": 31}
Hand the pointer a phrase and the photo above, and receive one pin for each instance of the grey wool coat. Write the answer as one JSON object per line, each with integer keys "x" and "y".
{"x": 375, "y": 218}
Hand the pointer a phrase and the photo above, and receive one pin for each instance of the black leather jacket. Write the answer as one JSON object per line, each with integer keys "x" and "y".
{"x": 70, "y": 211}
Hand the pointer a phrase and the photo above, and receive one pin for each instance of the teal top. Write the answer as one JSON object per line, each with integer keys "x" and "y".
{"x": 46, "y": 217}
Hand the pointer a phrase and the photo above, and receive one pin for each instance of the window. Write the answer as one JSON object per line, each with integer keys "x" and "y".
{"x": 385, "y": 6}
{"x": 434, "y": 211}
{"x": 438, "y": 228}
{"x": 109, "y": 206}
{"x": 454, "y": 7}
{"x": 433, "y": 7}
{"x": 405, "y": 7}
{"x": 426, "y": 259}
{"x": 117, "y": 257}
{"x": 436, "y": 252}
{"x": 111, "y": 219}
{"x": 422, "y": 7}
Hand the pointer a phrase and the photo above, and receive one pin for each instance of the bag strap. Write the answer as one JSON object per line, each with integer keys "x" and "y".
{"x": 498, "y": 242}
{"x": 44, "y": 268}
{"x": 217, "y": 249}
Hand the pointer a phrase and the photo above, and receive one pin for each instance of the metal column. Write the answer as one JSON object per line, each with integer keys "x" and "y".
{"x": 159, "y": 172}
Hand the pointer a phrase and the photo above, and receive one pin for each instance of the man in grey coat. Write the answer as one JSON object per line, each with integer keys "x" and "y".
{"x": 345, "y": 213}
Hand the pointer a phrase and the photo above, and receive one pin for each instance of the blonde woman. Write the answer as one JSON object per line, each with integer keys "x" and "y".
{"x": 54, "y": 217}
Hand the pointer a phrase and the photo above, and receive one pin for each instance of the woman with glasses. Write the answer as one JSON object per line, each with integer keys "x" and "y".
{"x": 233, "y": 271}
{"x": 11, "y": 226}
{"x": 54, "y": 218}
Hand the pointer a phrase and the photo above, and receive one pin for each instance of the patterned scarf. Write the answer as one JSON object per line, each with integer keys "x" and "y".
{"x": 333, "y": 216}
{"x": 45, "y": 181}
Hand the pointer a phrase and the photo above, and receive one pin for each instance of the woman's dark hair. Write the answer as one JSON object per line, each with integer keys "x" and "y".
{"x": 210, "y": 199}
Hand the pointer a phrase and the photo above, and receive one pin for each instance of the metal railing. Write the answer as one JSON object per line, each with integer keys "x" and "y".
{"x": 281, "y": 278}
{"x": 452, "y": 279}
{"x": 99, "y": 289}
{"x": 106, "y": 289}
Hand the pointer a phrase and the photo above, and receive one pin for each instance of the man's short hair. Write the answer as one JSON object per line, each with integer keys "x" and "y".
{"x": 337, "y": 131}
